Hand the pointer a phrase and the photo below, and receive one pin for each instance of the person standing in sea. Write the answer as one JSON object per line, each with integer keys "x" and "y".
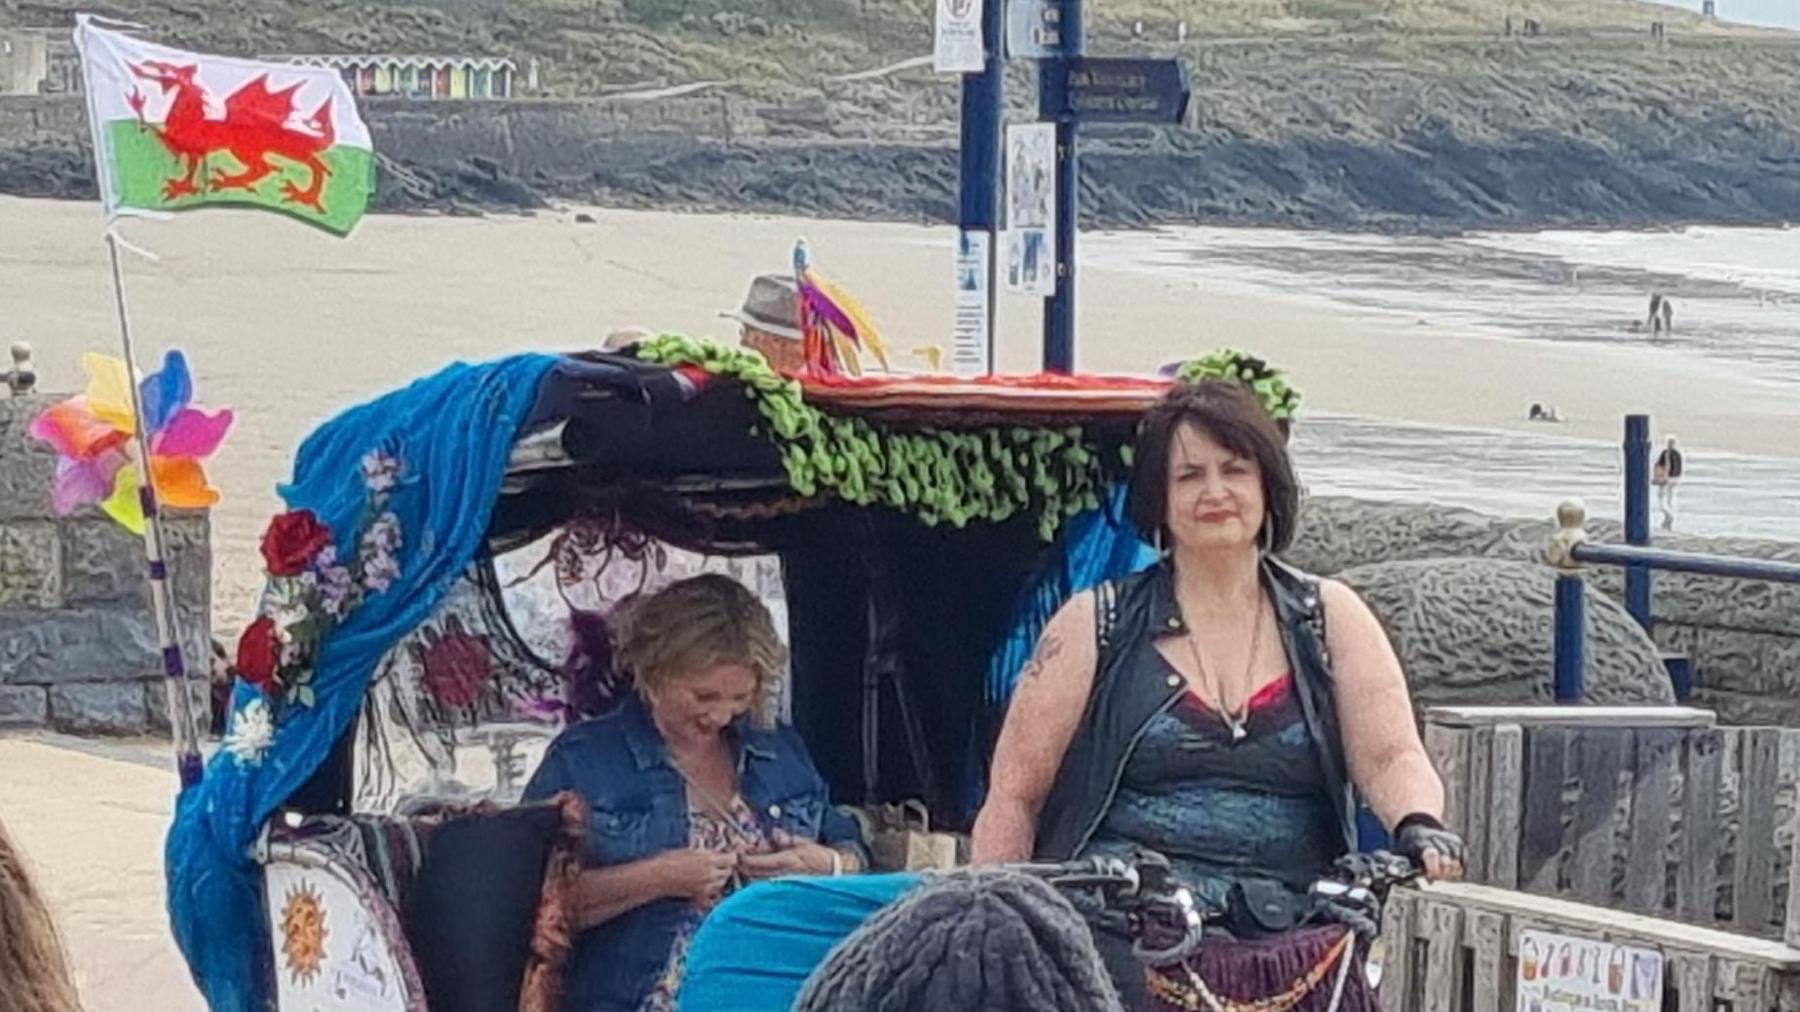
{"x": 1667, "y": 477}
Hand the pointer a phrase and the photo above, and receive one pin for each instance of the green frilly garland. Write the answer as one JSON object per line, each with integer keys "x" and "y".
{"x": 1264, "y": 380}
{"x": 992, "y": 473}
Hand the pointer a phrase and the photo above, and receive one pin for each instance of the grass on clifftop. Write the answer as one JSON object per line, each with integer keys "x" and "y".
{"x": 590, "y": 47}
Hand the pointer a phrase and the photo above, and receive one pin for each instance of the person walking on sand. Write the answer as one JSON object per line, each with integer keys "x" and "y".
{"x": 1666, "y": 476}
{"x": 1662, "y": 314}
{"x": 34, "y": 973}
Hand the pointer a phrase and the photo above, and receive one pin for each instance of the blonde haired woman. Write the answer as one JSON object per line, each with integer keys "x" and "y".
{"x": 34, "y": 977}
{"x": 692, "y": 792}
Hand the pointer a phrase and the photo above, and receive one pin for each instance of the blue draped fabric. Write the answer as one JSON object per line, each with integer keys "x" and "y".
{"x": 452, "y": 433}
{"x": 1098, "y": 545}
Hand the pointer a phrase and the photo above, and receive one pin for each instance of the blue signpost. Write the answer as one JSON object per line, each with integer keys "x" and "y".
{"x": 983, "y": 105}
{"x": 1637, "y": 514}
{"x": 1072, "y": 89}
{"x": 1108, "y": 90}
{"x": 1054, "y": 79}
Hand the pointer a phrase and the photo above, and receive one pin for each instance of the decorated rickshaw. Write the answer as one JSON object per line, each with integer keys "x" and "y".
{"x": 435, "y": 609}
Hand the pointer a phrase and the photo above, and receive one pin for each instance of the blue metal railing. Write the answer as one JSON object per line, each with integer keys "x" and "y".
{"x": 1570, "y": 550}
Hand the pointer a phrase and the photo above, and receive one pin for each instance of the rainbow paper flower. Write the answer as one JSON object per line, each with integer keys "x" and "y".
{"x": 92, "y": 431}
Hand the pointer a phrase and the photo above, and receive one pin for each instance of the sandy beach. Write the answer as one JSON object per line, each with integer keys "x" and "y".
{"x": 288, "y": 326}
{"x": 91, "y": 817}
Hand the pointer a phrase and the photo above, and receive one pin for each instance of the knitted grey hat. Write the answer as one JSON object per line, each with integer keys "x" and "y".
{"x": 983, "y": 940}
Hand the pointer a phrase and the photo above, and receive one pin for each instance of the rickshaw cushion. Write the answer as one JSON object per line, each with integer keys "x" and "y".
{"x": 484, "y": 915}
{"x": 754, "y": 952}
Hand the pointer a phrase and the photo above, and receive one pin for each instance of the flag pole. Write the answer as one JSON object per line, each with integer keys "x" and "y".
{"x": 162, "y": 603}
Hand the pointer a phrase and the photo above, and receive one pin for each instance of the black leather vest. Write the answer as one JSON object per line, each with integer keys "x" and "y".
{"x": 1123, "y": 700}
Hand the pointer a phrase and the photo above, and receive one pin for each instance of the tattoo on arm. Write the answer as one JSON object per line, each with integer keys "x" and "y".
{"x": 1048, "y": 648}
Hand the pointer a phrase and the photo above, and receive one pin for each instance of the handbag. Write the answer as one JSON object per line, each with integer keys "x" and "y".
{"x": 900, "y": 838}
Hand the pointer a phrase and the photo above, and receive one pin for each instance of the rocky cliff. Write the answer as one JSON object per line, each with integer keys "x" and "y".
{"x": 1422, "y": 114}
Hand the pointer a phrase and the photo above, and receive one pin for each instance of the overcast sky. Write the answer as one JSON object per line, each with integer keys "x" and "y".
{"x": 1782, "y": 13}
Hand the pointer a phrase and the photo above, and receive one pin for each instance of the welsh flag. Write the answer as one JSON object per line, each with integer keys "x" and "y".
{"x": 175, "y": 130}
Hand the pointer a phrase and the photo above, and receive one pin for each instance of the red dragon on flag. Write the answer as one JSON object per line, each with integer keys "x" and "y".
{"x": 254, "y": 128}
{"x": 175, "y": 130}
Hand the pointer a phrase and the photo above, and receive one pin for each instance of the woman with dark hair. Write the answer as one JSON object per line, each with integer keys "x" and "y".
{"x": 1221, "y": 708}
{"x": 34, "y": 976}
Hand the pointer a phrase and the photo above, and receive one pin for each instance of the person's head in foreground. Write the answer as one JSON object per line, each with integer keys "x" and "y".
{"x": 34, "y": 975}
{"x": 970, "y": 941}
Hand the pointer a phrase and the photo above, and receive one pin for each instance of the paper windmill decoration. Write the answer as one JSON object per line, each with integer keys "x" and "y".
{"x": 91, "y": 434}
{"x": 832, "y": 324}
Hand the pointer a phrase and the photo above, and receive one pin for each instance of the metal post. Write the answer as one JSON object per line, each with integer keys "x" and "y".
{"x": 162, "y": 598}
{"x": 21, "y": 378}
{"x": 1637, "y": 514}
{"x": 1054, "y": 105}
{"x": 983, "y": 107}
{"x": 1571, "y": 614}
{"x": 1571, "y": 602}
{"x": 1681, "y": 676}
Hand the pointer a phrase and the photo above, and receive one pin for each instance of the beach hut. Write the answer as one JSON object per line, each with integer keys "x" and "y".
{"x": 417, "y": 76}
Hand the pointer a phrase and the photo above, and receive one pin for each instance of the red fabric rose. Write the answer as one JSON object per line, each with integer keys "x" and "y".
{"x": 291, "y": 542}
{"x": 259, "y": 654}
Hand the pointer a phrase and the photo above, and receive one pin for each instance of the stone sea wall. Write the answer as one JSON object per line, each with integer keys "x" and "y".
{"x": 78, "y": 643}
{"x": 1743, "y": 635}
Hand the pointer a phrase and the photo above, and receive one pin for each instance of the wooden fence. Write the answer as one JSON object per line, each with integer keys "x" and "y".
{"x": 1656, "y": 811}
{"x": 1455, "y": 947}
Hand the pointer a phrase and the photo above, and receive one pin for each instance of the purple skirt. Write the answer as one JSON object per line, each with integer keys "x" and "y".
{"x": 1295, "y": 972}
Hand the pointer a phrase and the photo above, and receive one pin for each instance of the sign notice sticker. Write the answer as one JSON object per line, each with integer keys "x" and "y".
{"x": 969, "y": 352}
{"x": 1034, "y": 29}
{"x": 1558, "y": 973}
{"x": 1030, "y": 208}
{"x": 957, "y": 44}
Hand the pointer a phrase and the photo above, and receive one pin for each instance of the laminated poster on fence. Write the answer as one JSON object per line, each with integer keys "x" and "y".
{"x": 1558, "y": 973}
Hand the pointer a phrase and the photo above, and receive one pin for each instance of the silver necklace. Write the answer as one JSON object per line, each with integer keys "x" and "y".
{"x": 1236, "y": 722}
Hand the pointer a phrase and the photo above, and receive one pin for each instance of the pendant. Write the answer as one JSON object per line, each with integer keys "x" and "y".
{"x": 1238, "y": 730}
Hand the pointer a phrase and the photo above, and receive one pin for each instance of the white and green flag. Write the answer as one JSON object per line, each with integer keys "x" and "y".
{"x": 176, "y": 130}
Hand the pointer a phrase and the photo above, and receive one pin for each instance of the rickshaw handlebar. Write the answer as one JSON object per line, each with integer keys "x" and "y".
{"x": 1146, "y": 882}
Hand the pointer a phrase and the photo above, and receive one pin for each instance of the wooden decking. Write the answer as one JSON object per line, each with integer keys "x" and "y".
{"x": 1453, "y": 947}
{"x": 1654, "y": 828}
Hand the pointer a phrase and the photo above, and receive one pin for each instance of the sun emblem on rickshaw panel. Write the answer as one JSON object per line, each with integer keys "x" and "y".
{"x": 303, "y": 933}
